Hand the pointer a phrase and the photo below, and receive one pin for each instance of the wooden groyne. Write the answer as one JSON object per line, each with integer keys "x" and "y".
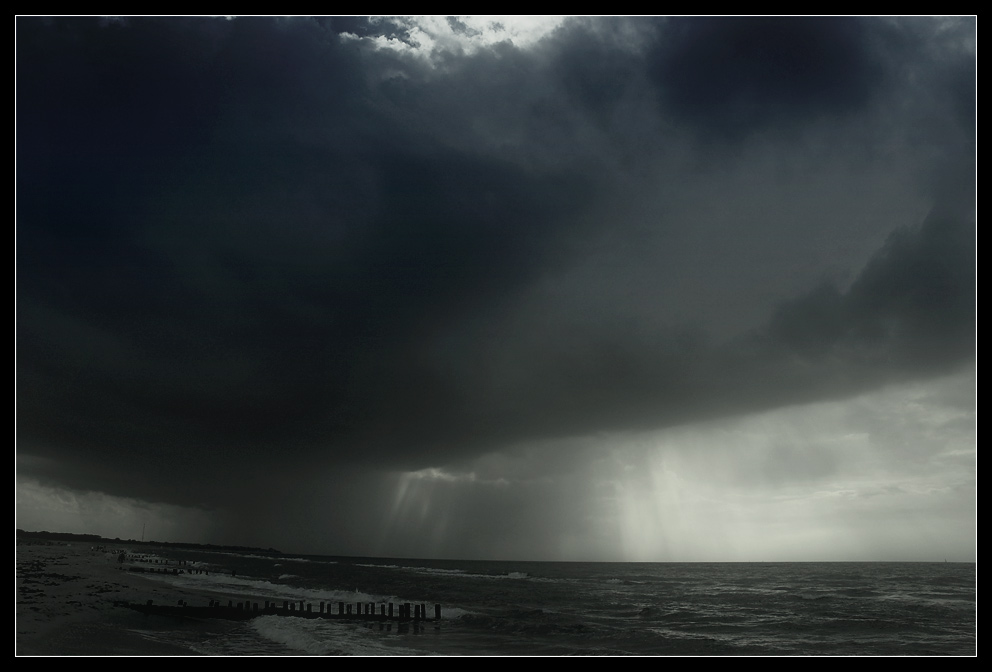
{"x": 240, "y": 611}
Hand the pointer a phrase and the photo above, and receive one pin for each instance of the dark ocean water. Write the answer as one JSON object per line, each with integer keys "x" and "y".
{"x": 550, "y": 608}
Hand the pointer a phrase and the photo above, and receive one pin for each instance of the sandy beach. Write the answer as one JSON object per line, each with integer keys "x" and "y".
{"x": 65, "y": 602}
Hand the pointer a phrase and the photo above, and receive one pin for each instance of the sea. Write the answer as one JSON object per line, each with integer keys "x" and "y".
{"x": 571, "y": 608}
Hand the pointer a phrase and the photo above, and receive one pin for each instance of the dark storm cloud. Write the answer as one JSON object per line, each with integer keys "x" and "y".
{"x": 731, "y": 76}
{"x": 913, "y": 306}
{"x": 256, "y": 247}
{"x": 909, "y": 313}
{"x": 248, "y": 287}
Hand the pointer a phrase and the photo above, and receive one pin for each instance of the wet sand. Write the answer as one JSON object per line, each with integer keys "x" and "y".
{"x": 65, "y": 602}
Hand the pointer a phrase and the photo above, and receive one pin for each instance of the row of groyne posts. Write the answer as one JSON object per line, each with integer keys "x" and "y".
{"x": 387, "y": 612}
{"x": 164, "y": 569}
{"x": 362, "y": 610}
{"x": 182, "y": 566}
{"x": 365, "y": 611}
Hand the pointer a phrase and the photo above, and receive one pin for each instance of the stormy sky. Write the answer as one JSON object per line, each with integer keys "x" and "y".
{"x": 500, "y": 287}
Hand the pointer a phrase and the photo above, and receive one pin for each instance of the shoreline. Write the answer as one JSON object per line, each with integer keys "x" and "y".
{"x": 65, "y": 594}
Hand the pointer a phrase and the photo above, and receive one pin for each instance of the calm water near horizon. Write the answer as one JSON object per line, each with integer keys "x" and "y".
{"x": 575, "y": 608}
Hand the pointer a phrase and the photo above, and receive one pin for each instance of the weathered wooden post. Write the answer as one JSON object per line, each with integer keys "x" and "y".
{"x": 390, "y": 610}
{"x": 437, "y": 612}
{"x": 340, "y": 608}
{"x": 321, "y": 607}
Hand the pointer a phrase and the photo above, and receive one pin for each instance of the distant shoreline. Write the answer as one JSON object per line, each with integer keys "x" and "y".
{"x": 96, "y": 539}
